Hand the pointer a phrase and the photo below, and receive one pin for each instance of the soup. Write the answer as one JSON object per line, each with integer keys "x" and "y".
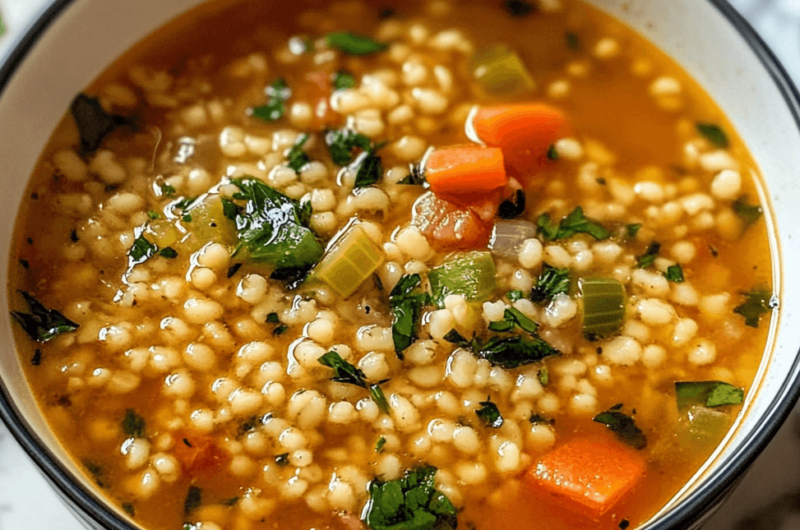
{"x": 421, "y": 265}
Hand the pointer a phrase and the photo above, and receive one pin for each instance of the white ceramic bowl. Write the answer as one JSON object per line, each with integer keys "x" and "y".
{"x": 74, "y": 40}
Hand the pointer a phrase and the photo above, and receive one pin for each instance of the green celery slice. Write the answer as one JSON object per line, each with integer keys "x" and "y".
{"x": 209, "y": 225}
{"x": 499, "y": 70}
{"x": 701, "y": 428}
{"x": 351, "y": 261}
{"x": 471, "y": 275}
{"x": 603, "y": 306}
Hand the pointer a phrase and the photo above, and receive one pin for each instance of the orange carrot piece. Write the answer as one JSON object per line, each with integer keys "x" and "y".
{"x": 523, "y": 131}
{"x": 588, "y": 475}
{"x": 449, "y": 226}
{"x": 465, "y": 174}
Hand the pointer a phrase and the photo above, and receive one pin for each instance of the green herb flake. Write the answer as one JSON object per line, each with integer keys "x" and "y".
{"x": 377, "y": 395}
{"x": 649, "y": 257}
{"x": 141, "y": 250}
{"x": 708, "y": 394}
{"x": 406, "y": 305}
{"x": 489, "y": 414}
{"x": 296, "y": 156}
{"x": 354, "y": 44}
{"x": 133, "y": 424}
{"x": 513, "y": 207}
{"x": 370, "y": 169}
{"x": 379, "y": 444}
{"x": 168, "y": 252}
{"x": 632, "y": 229}
{"x": 36, "y": 359}
{"x": 551, "y": 282}
{"x": 278, "y": 93}
{"x": 342, "y": 143}
{"x": 233, "y": 269}
{"x": 574, "y": 223}
{"x": 153, "y": 215}
{"x": 544, "y": 376}
{"x": 674, "y": 274}
{"x": 552, "y": 152}
{"x": 42, "y": 324}
{"x": 282, "y": 459}
{"x": 93, "y": 122}
{"x": 623, "y": 427}
{"x": 757, "y": 303}
{"x": 129, "y": 509}
{"x": 272, "y": 318}
{"x": 229, "y": 209}
{"x": 714, "y": 134}
{"x": 572, "y": 40}
{"x": 168, "y": 190}
{"x": 343, "y": 79}
{"x": 749, "y": 213}
{"x": 538, "y": 418}
{"x": 343, "y": 371}
{"x": 409, "y": 503}
{"x": 515, "y": 295}
{"x": 519, "y": 8}
{"x": 280, "y": 330}
{"x": 186, "y": 218}
{"x": 194, "y": 498}
{"x": 511, "y": 352}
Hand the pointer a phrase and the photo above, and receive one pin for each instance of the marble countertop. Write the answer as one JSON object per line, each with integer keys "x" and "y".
{"x": 767, "y": 499}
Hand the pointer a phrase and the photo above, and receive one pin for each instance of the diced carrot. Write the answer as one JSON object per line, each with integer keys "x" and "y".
{"x": 524, "y": 132}
{"x": 449, "y": 226}
{"x": 588, "y": 475}
{"x": 198, "y": 454}
{"x": 465, "y": 174}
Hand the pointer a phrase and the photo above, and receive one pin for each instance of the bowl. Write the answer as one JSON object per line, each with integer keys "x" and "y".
{"x": 72, "y": 41}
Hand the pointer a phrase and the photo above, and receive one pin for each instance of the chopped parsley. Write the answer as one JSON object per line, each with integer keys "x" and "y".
{"x": 538, "y": 418}
{"x": 515, "y": 295}
{"x": 574, "y": 223}
{"x": 354, "y": 44}
{"x": 519, "y": 8}
{"x": 511, "y": 352}
{"x": 342, "y": 142}
{"x": 674, "y": 274}
{"x": 551, "y": 282}
{"x": 714, "y": 134}
{"x": 233, "y": 269}
{"x": 280, "y": 330}
{"x": 513, "y": 317}
{"x": 410, "y": 503}
{"x": 622, "y": 426}
{"x": 632, "y": 229}
{"x": 572, "y": 40}
{"x": 346, "y": 373}
{"x": 168, "y": 190}
{"x": 512, "y": 208}
{"x": 709, "y": 394}
{"x": 343, "y": 79}
{"x": 129, "y": 509}
{"x": 552, "y": 152}
{"x": 649, "y": 257}
{"x": 194, "y": 498}
{"x": 757, "y": 302}
{"x": 93, "y": 122}
{"x": 379, "y": 444}
{"x": 489, "y": 414}
{"x": 36, "y": 360}
{"x": 168, "y": 252}
{"x": 42, "y": 324}
{"x": 544, "y": 376}
{"x": 278, "y": 93}
{"x": 297, "y": 157}
{"x": 406, "y": 306}
{"x": 133, "y": 424}
{"x": 415, "y": 177}
{"x": 370, "y": 169}
{"x": 749, "y": 213}
{"x": 141, "y": 250}
{"x": 282, "y": 459}
{"x": 153, "y": 215}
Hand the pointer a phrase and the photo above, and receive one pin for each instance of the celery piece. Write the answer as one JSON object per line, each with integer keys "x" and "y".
{"x": 209, "y": 224}
{"x": 508, "y": 236}
{"x": 603, "y": 306}
{"x": 163, "y": 233}
{"x": 350, "y": 262}
{"x": 499, "y": 70}
{"x": 701, "y": 428}
{"x": 471, "y": 275}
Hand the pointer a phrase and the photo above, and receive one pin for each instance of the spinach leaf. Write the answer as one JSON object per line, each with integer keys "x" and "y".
{"x": 489, "y": 414}
{"x": 513, "y": 317}
{"x": 757, "y": 303}
{"x": 409, "y": 503}
{"x": 512, "y": 208}
{"x": 515, "y": 295}
{"x": 194, "y": 498}
{"x": 714, "y": 134}
{"x": 133, "y": 424}
{"x": 342, "y": 142}
{"x": 343, "y": 79}
{"x": 749, "y": 213}
{"x": 278, "y": 93}
{"x": 406, "y": 309}
{"x": 346, "y": 373}
{"x": 93, "y": 122}
{"x": 370, "y": 169}
{"x": 623, "y": 427}
{"x": 649, "y": 257}
{"x": 354, "y": 44}
{"x": 511, "y": 352}
{"x": 707, "y": 394}
{"x": 574, "y": 223}
{"x": 297, "y": 157}
{"x": 42, "y": 324}
{"x": 674, "y": 274}
{"x": 551, "y": 282}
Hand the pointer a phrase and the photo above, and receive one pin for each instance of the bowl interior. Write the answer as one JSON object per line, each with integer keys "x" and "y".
{"x": 77, "y": 39}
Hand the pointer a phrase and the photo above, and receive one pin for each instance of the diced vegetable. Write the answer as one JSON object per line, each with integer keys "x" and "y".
{"x": 210, "y": 224}
{"x": 524, "y": 132}
{"x": 622, "y": 426}
{"x": 471, "y": 275}
{"x": 588, "y": 475}
{"x": 351, "y": 260}
{"x": 603, "y": 306}
{"x": 700, "y": 427}
{"x": 42, "y": 324}
{"x": 757, "y": 303}
{"x": 198, "y": 454}
{"x": 465, "y": 174}
{"x": 449, "y": 226}
{"x": 707, "y": 394}
{"x": 508, "y": 236}
{"x": 500, "y": 71}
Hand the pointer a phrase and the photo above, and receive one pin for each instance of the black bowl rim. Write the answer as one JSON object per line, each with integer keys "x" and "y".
{"x": 692, "y": 509}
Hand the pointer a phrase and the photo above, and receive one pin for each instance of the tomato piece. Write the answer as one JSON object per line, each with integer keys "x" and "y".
{"x": 198, "y": 453}
{"x": 449, "y": 226}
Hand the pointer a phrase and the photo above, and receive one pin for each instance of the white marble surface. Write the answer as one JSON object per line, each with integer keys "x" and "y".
{"x": 768, "y": 498}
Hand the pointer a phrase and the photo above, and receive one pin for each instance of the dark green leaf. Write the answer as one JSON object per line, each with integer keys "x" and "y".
{"x": 280, "y": 330}
{"x": 714, "y": 134}
{"x": 406, "y": 311}
{"x": 632, "y": 229}
{"x": 141, "y": 250}
{"x": 354, "y": 44}
{"x": 552, "y": 152}
{"x": 42, "y": 324}
{"x": 93, "y": 122}
{"x": 36, "y": 360}
{"x": 343, "y": 79}
{"x": 370, "y": 170}
{"x": 168, "y": 252}
{"x": 341, "y": 144}
{"x": 489, "y": 414}
{"x": 153, "y": 215}
{"x": 229, "y": 209}
{"x": 379, "y": 398}
{"x": 550, "y": 283}
{"x": 511, "y": 209}
{"x": 343, "y": 371}
{"x": 674, "y": 273}
{"x": 168, "y": 190}
{"x": 649, "y": 257}
{"x": 515, "y": 316}
{"x": 511, "y": 352}
{"x": 749, "y": 213}
{"x": 379, "y": 444}
{"x": 277, "y": 93}
{"x": 574, "y": 223}
{"x": 757, "y": 303}
{"x": 572, "y": 40}
{"x": 194, "y": 498}
{"x": 515, "y": 295}
{"x": 501, "y": 325}
{"x": 547, "y": 227}
{"x": 538, "y": 418}
{"x": 282, "y": 459}
{"x": 519, "y": 8}
{"x": 297, "y": 157}
{"x": 623, "y": 427}
{"x": 273, "y": 318}
{"x": 186, "y": 218}
{"x": 454, "y": 337}
{"x": 707, "y": 394}
{"x": 129, "y": 509}
{"x": 133, "y": 424}
{"x": 233, "y": 269}
{"x": 415, "y": 177}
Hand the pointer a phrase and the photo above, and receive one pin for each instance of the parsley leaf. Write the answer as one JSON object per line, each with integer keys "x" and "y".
{"x": 749, "y": 213}
{"x": 354, "y": 44}
{"x": 282, "y": 459}
{"x": 168, "y": 252}
{"x": 342, "y": 142}
{"x": 370, "y": 169}
{"x": 409, "y": 503}
{"x": 551, "y": 282}
{"x": 42, "y": 324}
{"x": 297, "y": 157}
{"x": 649, "y": 257}
{"x": 406, "y": 310}
{"x": 415, "y": 177}
{"x": 512, "y": 208}
{"x": 515, "y": 295}
{"x": 511, "y": 352}
{"x": 93, "y": 122}
{"x": 278, "y": 93}
{"x": 552, "y": 152}
{"x": 280, "y": 330}
{"x": 153, "y": 215}
{"x": 519, "y": 8}
{"x": 714, "y": 134}
{"x": 194, "y": 498}
{"x": 343, "y": 79}
{"x": 489, "y": 414}
{"x": 377, "y": 395}
{"x": 514, "y": 317}
{"x": 674, "y": 274}
{"x": 379, "y": 444}
{"x": 572, "y": 40}
{"x": 623, "y": 427}
{"x": 707, "y": 394}
{"x": 574, "y": 223}
{"x": 168, "y": 190}
{"x": 141, "y": 250}
{"x": 632, "y": 229}
{"x": 344, "y": 372}
{"x": 757, "y": 303}
{"x": 133, "y": 424}
{"x": 538, "y": 418}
